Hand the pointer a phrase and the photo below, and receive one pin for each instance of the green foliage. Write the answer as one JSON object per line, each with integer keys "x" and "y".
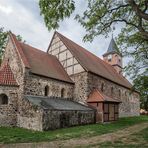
{"x": 99, "y": 19}
{"x": 141, "y": 84}
{"x": 55, "y": 10}
{"x": 3, "y": 40}
{"x": 17, "y": 135}
{"x": 20, "y": 38}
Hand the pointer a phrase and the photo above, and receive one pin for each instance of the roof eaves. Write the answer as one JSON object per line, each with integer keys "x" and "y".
{"x": 109, "y": 80}
{"x": 54, "y": 78}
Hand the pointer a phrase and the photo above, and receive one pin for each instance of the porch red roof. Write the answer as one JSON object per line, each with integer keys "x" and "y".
{"x": 97, "y": 96}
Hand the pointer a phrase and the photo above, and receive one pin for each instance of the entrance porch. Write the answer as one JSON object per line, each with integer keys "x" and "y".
{"x": 107, "y": 107}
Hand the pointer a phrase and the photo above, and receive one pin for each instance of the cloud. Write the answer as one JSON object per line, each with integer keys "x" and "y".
{"x": 23, "y": 17}
{"x": 6, "y": 9}
{"x": 25, "y": 21}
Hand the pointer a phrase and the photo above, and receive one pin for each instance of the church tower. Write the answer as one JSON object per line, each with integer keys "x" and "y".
{"x": 113, "y": 56}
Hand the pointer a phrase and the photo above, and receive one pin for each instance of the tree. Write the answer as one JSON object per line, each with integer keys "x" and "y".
{"x": 99, "y": 19}
{"x": 3, "y": 41}
{"x": 141, "y": 84}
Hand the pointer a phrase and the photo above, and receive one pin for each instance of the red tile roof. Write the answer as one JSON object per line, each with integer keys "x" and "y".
{"x": 6, "y": 76}
{"x": 41, "y": 63}
{"x": 97, "y": 96}
{"x": 94, "y": 64}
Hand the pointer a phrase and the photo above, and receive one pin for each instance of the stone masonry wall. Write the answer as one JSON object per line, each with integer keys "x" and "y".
{"x": 30, "y": 116}
{"x": 35, "y": 85}
{"x": 53, "y": 119}
{"x": 81, "y": 86}
{"x": 17, "y": 67}
{"x": 130, "y": 101}
{"x": 86, "y": 82}
{"x": 8, "y": 112}
{"x": 36, "y": 118}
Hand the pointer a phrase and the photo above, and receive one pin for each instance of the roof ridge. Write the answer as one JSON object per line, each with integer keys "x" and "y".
{"x": 38, "y": 50}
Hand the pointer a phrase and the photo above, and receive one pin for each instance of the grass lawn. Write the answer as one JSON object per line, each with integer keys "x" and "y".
{"x": 18, "y": 135}
{"x": 137, "y": 140}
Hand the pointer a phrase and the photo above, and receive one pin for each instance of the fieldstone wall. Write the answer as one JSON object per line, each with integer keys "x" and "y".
{"x": 17, "y": 67}
{"x": 35, "y": 85}
{"x": 86, "y": 82}
{"x": 130, "y": 105}
{"x": 8, "y": 112}
{"x": 36, "y": 118}
{"x": 53, "y": 119}
{"x": 30, "y": 116}
{"x": 81, "y": 87}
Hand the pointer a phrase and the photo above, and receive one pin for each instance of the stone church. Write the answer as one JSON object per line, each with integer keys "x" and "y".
{"x": 65, "y": 86}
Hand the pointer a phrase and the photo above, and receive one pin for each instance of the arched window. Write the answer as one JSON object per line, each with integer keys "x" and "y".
{"x": 125, "y": 94}
{"x": 46, "y": 90}
{"x": 3, "y": 99}
{"x": 62, "y": 93}
{"x": 112, "y": 91}
{"x": 102, "y": 87}
{"x": 119, "y": 93}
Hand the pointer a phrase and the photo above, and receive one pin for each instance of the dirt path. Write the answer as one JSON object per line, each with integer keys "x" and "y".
{"x": 82, "y": 141}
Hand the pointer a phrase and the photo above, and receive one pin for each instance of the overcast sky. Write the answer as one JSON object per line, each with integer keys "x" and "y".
{"x": 23, "y": 17}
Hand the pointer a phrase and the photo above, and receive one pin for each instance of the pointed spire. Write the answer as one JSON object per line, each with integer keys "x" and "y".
{"x": 112, "y": 47}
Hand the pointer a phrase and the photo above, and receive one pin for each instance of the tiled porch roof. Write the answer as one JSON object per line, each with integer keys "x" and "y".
{"x": 97, "y": 96}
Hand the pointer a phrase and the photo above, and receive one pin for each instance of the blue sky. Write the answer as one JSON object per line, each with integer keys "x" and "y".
{"x": 23, "y": 17}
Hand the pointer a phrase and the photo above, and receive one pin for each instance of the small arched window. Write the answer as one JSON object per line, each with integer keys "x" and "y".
{"x": 112, "y": 91}
{"x": 102, "y": 87}
{"x": 119, "y": 93}
{"x": 125, "y": 94}
{"x": 46, "y": 90}
{"x": 62, "y": 93}
{"x": 3, "y": 99}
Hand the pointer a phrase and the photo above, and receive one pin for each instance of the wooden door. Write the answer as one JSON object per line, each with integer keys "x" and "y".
{"x": 106, "y": 112}
{"x": 116, "y": 111}
{"x": 111, "y": 112}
